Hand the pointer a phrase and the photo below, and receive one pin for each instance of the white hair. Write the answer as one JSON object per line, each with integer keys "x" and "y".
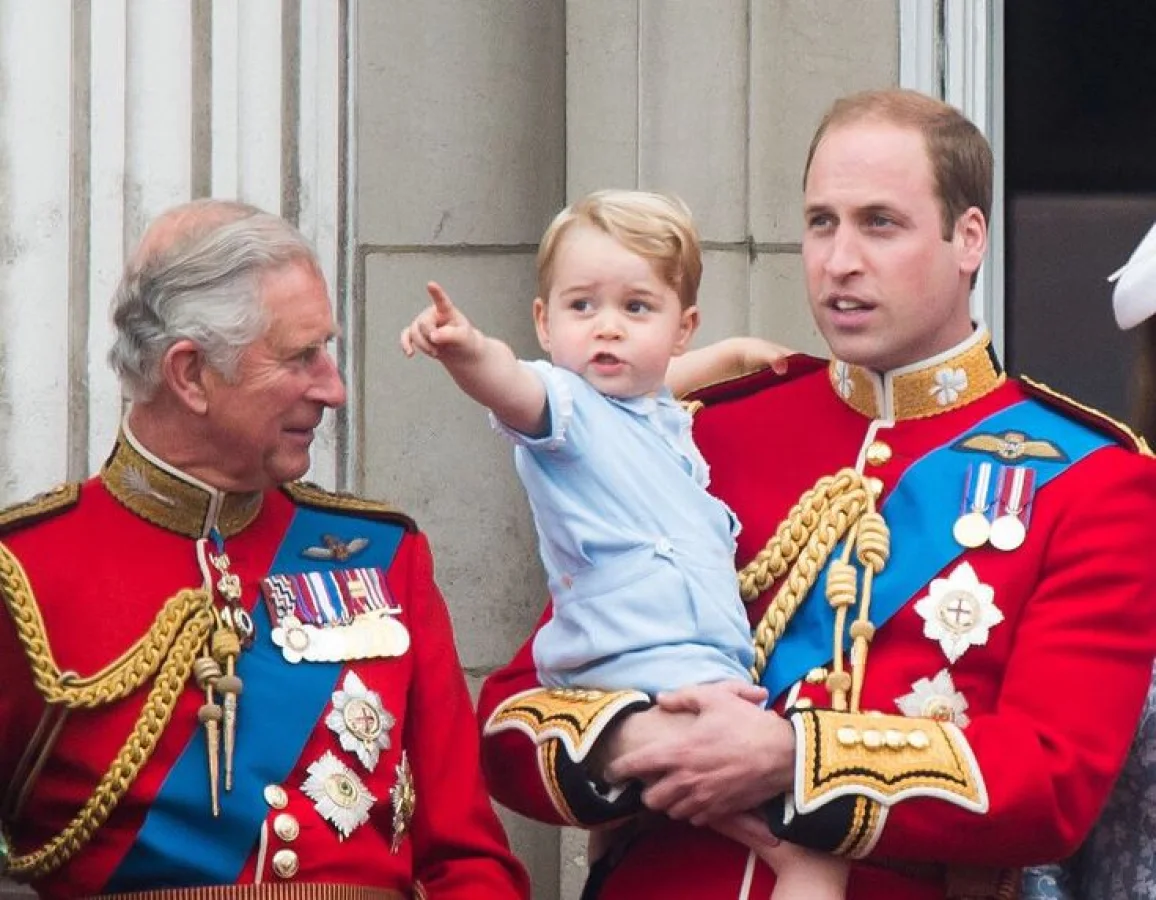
{"x": 196, "y": 276}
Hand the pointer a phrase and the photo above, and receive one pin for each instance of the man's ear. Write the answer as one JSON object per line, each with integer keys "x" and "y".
{"x": 542, "y": 324}
{"x": 183, "y": 371}
{"x": 687, "y": 326}
{"x": 970, "y": 239}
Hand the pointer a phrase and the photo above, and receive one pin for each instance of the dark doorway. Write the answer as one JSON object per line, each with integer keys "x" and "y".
{"x": 1080, "y": 188}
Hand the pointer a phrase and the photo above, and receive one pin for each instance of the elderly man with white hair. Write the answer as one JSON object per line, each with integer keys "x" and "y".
{"x": 220, "y": 681}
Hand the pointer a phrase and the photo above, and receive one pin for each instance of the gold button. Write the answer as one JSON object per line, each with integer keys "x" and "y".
{"x": 875, "y": 486}
{"x": 275, "y": 796}
{"x": 285, "y": 863}
{"x": 896, "y": 740}
{"x": 878, "y": 453}
{"x": 918, "y": 740}
{"x": 286, "y": 827}
{"x": 872, "y": 739}
{"x": 847, "y": 736}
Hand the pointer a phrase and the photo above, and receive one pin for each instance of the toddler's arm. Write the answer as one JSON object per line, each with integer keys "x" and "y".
{"x": 728, "y": 358}
{"x": 484, "y": 367}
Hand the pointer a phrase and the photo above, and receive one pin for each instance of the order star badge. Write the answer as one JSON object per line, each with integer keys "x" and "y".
{"x": 404, "y": 799}
{"x": 959, "y": 611}
{"x": 338, "y": 795}
{"x": 935, "y": 698}
{"x": 360, "y": 721}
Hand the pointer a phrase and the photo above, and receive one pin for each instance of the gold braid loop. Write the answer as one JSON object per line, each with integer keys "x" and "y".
{"x": 772, "y": 562}
{"x": 813, "y": 528}
{"x": 874, "y": 546}
{"x": 168, "y": 650}
{"x": 116, "y": 680}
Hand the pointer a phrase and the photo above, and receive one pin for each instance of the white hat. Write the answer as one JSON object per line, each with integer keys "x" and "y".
{"x": 1134, "y": 298}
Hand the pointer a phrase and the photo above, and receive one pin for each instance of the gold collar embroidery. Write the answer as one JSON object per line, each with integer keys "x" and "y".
{"x": 171, "y": 499}
{"x": 945, "y": 382}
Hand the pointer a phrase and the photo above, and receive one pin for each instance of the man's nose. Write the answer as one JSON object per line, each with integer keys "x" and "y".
{"x": 328, "y": 389}
{"x": 843, "y": 253}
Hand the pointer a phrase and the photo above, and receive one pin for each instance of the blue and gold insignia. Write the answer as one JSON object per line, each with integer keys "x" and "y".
{"x": 334, "y": 548}
{"x": 1011, "y": 446}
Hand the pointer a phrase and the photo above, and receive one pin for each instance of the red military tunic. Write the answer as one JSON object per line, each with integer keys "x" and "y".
{"x": 361, "y": 771}
{"x": 1000, "y": 692}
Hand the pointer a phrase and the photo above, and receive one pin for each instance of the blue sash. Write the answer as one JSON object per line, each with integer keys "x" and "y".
{"x": 920, "y": 512}
{"x": 181, "y": 843}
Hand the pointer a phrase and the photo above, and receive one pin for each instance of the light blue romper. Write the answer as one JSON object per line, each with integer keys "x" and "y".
{"x": 639, "y": 557}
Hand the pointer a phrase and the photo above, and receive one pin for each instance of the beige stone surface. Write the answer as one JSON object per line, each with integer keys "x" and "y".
{"x": 431, "y": 450}
{"x": 602, "y": 84}
{"x": 779, "y": 304}
{"x": 693, "y": 109}
{"x": 460, "y": 120}
{"x": 805, "y": 54}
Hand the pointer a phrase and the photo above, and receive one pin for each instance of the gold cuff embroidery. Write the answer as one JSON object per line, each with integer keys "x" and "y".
{"x": 885, "y": 758}
{"x": 574, "y": 717}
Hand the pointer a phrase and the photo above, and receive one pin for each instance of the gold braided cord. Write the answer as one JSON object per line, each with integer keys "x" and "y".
{"x": 137, "y": 750}
{"x": 783, "y": 548}
{"x": 169, "y": 650}
{"x": 800, "y": 549}
{"x": 116, "y": 680}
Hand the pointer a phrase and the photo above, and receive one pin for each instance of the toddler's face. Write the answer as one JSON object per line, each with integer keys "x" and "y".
{"x": 609, "y": 317}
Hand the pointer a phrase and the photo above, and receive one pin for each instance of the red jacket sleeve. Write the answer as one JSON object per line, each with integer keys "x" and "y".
{"x": 459, "y": 844}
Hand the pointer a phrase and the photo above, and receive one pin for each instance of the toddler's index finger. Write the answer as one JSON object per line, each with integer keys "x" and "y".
{"x": 441, "y": 301}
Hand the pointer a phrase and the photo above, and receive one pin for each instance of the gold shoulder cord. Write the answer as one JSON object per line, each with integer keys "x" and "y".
{"x": 837, "y": 507}
{"x": 168, "y": 651}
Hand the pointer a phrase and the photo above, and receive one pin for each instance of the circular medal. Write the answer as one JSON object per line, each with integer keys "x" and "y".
{"x": 971, "y": 530}
{"x": 1007, "y": 533}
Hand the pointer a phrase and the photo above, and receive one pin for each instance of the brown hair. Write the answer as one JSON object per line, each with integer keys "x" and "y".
{"x": 657, "y": 227}
{"x": 960, "y": 156}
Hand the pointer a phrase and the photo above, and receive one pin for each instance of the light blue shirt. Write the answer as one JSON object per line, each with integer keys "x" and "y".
{"x": 639, "y": 557}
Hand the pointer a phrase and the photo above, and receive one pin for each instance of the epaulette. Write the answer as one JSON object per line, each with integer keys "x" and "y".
{"x": 43, "y": 506}
{"x": 306, "y": 493}
{"x": 1089, "y": 416}
{"x": 798, "y": 365}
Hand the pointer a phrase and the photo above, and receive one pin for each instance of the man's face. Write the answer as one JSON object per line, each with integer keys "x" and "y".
{"x": 261, "y": 422}
{"x": 886, "y": 289}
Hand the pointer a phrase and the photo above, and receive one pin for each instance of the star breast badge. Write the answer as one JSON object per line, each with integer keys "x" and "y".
{"x": 935, "y": 698}
{"x": 403, "y": 797}
{"x": 959, "y": 611}
{"x": 360, "y": 721}
{"x": 338, "y": 795}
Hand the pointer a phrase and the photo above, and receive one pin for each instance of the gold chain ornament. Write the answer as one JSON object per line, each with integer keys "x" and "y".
{"x": 838, "y": 506}
{"x": 168, "y": 650}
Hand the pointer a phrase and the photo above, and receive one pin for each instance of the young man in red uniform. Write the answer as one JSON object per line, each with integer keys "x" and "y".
{"x": 948, "y": 576}
{"x": 217, "y": 678}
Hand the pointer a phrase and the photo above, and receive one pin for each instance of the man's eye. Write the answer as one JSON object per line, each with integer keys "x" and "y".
{"x": 819, "y": 222}
{"x": 879, "y": 221}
